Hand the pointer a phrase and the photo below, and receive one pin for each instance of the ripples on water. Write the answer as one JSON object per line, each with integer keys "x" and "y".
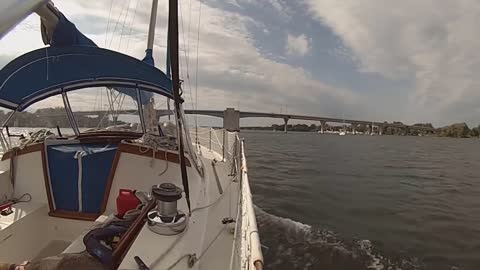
{"x": 415, "y": 199}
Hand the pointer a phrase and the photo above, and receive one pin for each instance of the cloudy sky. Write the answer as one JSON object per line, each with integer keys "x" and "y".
{"x": 410, "y": 61}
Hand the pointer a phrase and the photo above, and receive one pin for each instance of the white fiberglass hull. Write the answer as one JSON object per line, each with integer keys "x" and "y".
{"x": 221, "y": 232}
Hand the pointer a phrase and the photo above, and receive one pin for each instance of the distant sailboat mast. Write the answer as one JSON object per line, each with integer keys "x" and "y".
{"x": 343, "y": 131}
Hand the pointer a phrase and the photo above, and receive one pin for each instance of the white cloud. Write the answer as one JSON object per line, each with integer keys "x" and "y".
{"x": 297, "y": 45}
{"x": 231, "y": 68}
{"x": 433, "y": 44}
{"x": 278, "y": 6}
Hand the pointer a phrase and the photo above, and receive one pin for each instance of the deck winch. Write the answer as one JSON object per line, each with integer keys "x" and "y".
{"x": 166, "y": 219}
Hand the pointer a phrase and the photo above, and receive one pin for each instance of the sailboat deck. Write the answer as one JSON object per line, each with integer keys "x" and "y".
{"x": 75, "y": 182}
{"x": 20, "y": 211}
{"x": 206, "y": 237}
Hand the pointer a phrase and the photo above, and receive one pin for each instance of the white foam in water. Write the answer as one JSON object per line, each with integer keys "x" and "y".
{"x": 294, "y": 245}
{"x": 366, "y": 245}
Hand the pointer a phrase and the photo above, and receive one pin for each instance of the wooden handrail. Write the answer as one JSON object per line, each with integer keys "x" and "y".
{"x": 129, "y": 237}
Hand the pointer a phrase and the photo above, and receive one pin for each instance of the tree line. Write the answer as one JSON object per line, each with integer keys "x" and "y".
{"x": 457, "y": 130}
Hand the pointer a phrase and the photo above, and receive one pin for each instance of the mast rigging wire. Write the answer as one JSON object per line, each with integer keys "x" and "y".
{"x": 116, "y": 24}
{"x": 185, "y": 49}
{"x": 123, "y": 26}
{"x": 196, "y": 71}
{"x": 106, "y": 39}
{"x": 131, "y": 25}
{"x": 109, "y": 46}
{"x": 188, "y": 30}
{"x": 112, "y": 98}
{"x": 189, "y": 85}
{"x": 108, "y": 22}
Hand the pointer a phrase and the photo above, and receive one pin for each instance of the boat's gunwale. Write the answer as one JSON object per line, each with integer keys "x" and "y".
{"x": 22, "y": 151}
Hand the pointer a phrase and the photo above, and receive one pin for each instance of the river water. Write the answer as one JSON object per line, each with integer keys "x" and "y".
{"x": 366, "y": 202}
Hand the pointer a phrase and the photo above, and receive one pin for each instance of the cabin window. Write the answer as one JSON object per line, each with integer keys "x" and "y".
{"x": 48, "y": 114}
{"x": 102, "y": 108}
{"x": 155, "y": 112}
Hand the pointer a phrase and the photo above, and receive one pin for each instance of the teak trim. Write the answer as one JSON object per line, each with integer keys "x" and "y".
{"x": 74, "y": 215}
{"x": 26, "y": 150}
{"x": 111, "y": 176}
{"x": 46, "y": 179}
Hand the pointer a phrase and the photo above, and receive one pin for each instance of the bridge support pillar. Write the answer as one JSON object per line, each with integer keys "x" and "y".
{"x": 285, "y": 120}
{"x": 231, "y": 119}
{"x": 380, "y": 130}
{"x": 323, "y": 127}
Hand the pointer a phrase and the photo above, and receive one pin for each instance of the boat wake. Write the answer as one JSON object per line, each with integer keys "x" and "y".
{"x": 288, "y": 244}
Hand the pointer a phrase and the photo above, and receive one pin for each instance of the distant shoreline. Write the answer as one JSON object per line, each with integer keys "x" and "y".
{"x": 458, "y": 130}
{"x": 53, "y": 117}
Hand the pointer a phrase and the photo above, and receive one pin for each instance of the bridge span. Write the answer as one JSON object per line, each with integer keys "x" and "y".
{"x": 231, "y": 113}
{"x": 231, "y": 118}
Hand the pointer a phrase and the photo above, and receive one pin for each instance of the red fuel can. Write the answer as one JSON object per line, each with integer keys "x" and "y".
{"x": 126, "y": 200}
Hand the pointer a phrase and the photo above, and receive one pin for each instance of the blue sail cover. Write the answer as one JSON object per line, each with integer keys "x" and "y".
{"x": 66, "y": 34}
{"x": 50, "y": 71}
{"x": 73, "y": 62}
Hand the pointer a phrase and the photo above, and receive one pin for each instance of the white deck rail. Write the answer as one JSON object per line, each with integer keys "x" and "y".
{"x": 247, "y": 254}
{"x": 247, "y": 250}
